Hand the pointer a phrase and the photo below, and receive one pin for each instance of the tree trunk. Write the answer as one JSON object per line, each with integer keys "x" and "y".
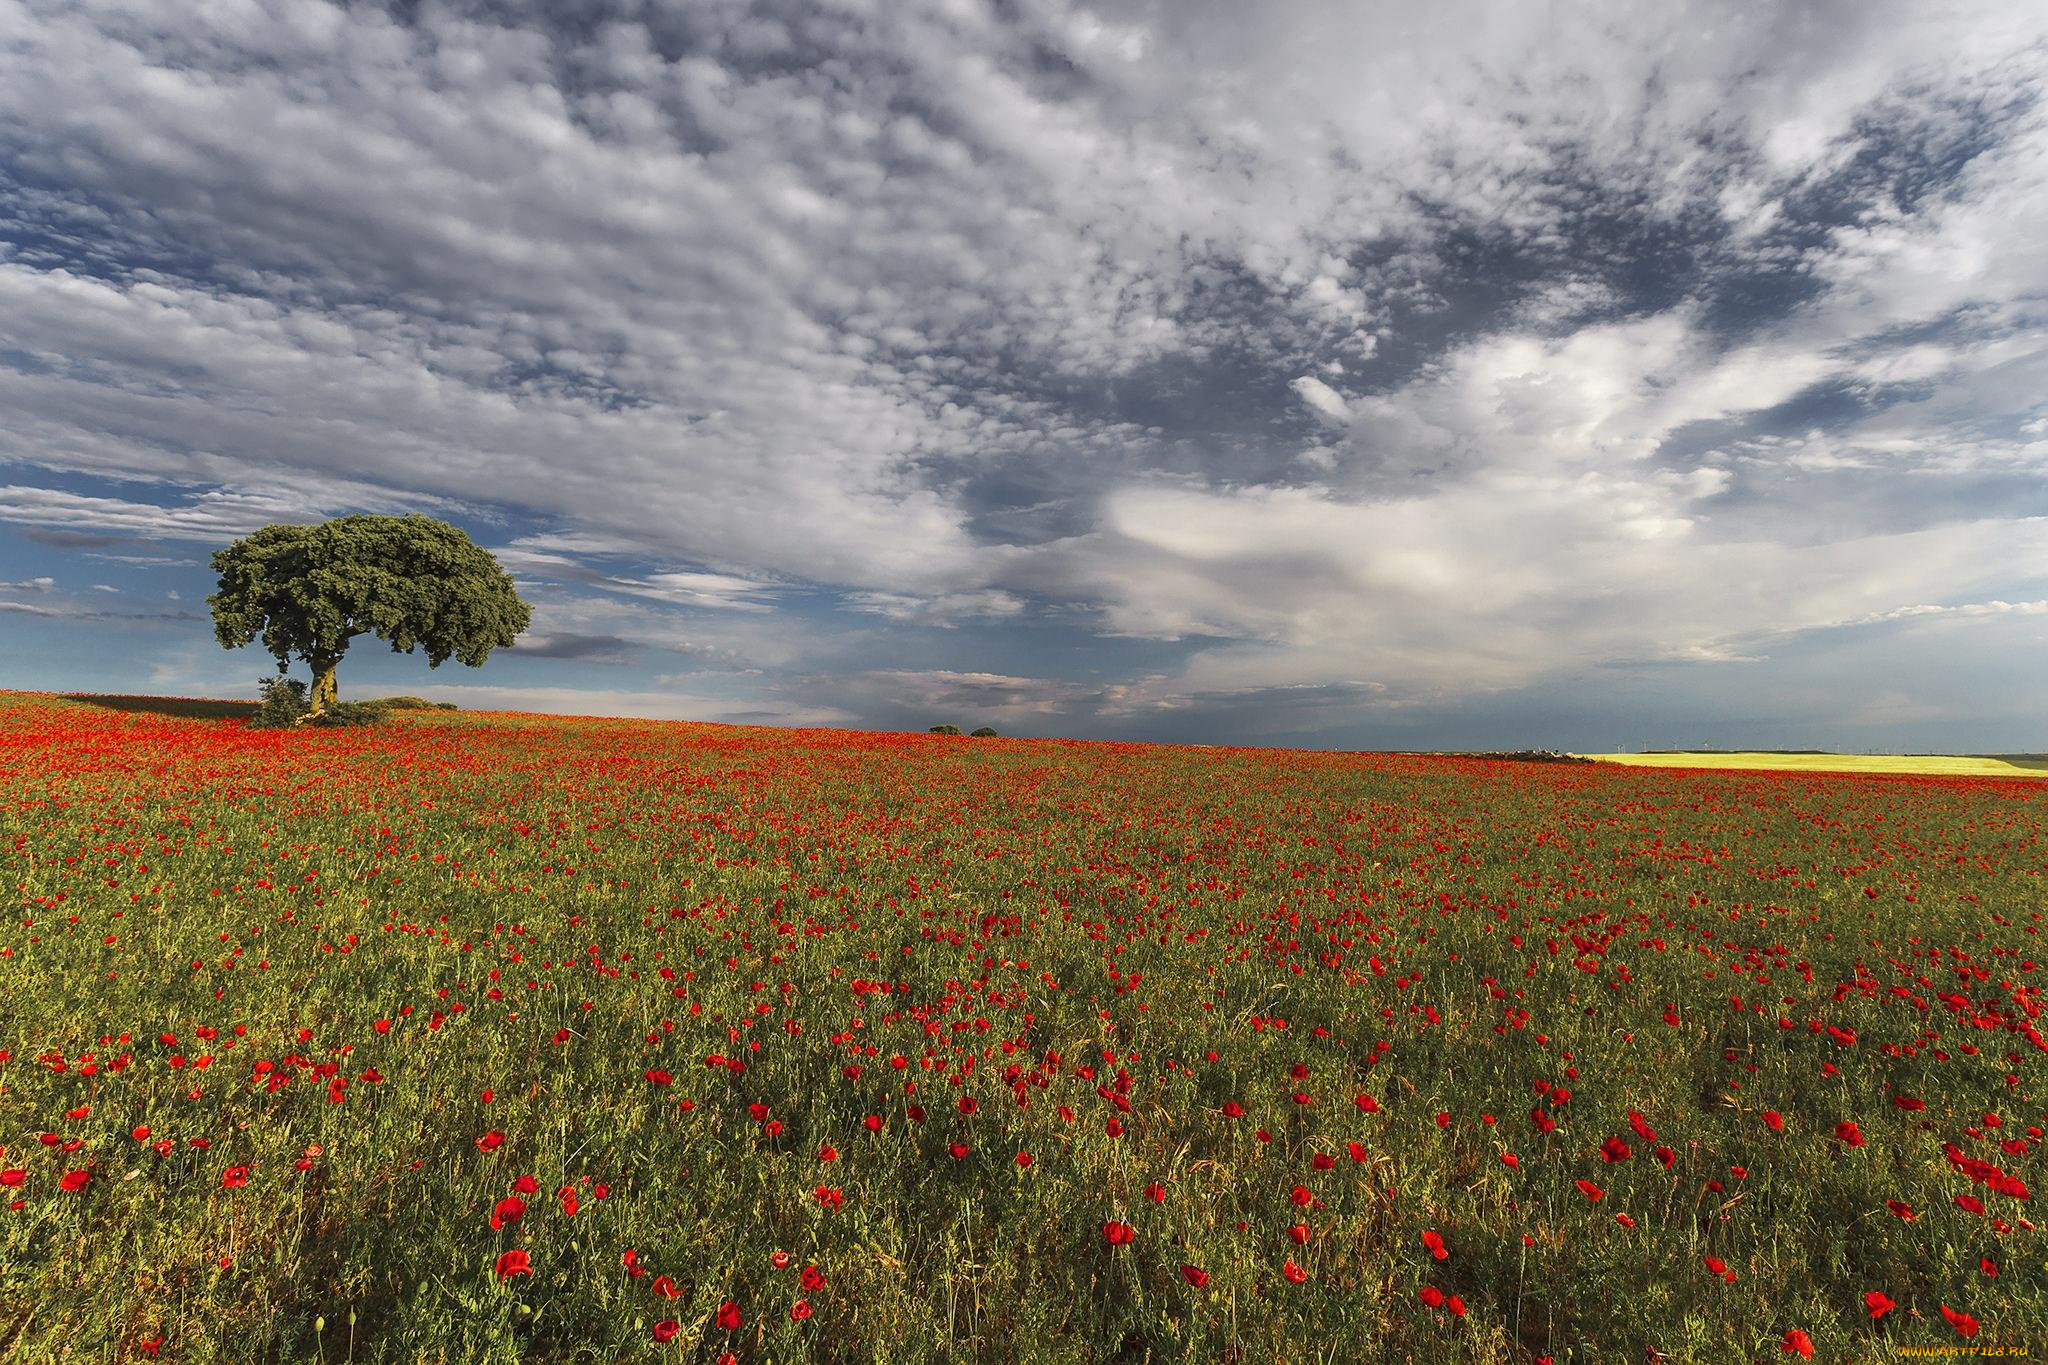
{"x": 323, "y": 694}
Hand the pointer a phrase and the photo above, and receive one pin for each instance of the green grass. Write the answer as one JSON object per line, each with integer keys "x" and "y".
{"x": 1924, "y": 765}
{"x": 338, "y": 962}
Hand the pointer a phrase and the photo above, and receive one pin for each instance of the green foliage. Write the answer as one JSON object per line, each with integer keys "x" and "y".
{"x": 412, "y": 704}
{"x": 985, "y": 732}
{"x": 285, "y": 705}
{"x": 411, "y": 581}
{"x": 347, "y": 713}
{"x": 945, "y": 729}
{"x": 282, "y": 704}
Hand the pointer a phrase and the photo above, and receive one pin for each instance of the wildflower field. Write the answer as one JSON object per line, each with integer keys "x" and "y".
{"x": 486, "y": 1037}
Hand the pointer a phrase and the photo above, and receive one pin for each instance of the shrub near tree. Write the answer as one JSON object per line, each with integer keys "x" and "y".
{"x": 411, "y": 581}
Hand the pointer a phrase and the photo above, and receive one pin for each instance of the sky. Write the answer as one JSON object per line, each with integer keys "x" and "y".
{"x": 1332, "y": 373}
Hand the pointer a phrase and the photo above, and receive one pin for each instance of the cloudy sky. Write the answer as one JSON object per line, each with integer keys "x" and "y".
{"x": 1326, "y": 372}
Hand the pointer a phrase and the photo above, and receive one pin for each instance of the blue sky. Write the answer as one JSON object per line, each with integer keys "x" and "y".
{"x": 1352, "y": 375}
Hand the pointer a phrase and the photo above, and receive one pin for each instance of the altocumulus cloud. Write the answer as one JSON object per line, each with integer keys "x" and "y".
{"x": 1083, "y": 366}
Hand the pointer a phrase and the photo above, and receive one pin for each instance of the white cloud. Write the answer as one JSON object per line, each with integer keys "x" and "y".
{"x": 1322, "y": 397}
{"x": 741, "y": 324}
{"x": 945, "y": 611}
{"x": 1499, "y": 582}
{"x": 1964, "y": 610}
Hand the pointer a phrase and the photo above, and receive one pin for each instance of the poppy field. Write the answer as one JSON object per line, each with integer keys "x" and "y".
{"x": 484, "y": 1037}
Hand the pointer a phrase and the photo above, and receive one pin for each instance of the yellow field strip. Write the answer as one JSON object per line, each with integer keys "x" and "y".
{"x": 1925, "y": 765}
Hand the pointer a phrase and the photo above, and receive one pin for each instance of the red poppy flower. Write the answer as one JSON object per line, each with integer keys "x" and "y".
{"x": 664, "y": 1288}
{"x": 490, "y": 1142}
{"x": 1456, "y": 1305}
{"x": 1023, "y": 1159}
{"x": 1432, "y": 1296}
{"x": 1614, "y": 1149}
{"x": 13, "y": 1178}
{"x": 526, "y": 1184}
{"x": 1879, "y": 1303}
{"x": 1198, "y": 1277}
{"x": 514, "y": 1262}
{"x": 73, "y": 1181}
{"x": 1848, "y": 1132}
{"x": 1435, "y": 1242}
{"x": 799, "y": 1310}
{"x": 1118, "y": 1234}
{"x": 1298, "y": 1234}
{"x": 1367, "y": 1104}
{"x": 1774, "y": 1120}
{"x": 1797, "y": 1343}
{"x": 1293, "y": 1273}
{"x": 1590, "y": 1190}
{"x": 729, "y": 1316}
{"x": 959, "y": 1151}
{"x": 665, "y": 1330}
{"x": 1301, "y": 1196}
{"x": 812, "y": 1278}
{"x": 510, "y": 1209}
{"x": 1510, "y": 1160}
{"x": 234, "y": 1177}
{"x": 1965, "y": 1325}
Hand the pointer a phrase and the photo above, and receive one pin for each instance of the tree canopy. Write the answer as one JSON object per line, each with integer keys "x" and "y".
{"x": 412, "y": 581}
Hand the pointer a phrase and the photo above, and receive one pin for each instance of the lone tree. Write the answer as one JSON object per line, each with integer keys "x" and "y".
{"x": 411, "y": 580}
